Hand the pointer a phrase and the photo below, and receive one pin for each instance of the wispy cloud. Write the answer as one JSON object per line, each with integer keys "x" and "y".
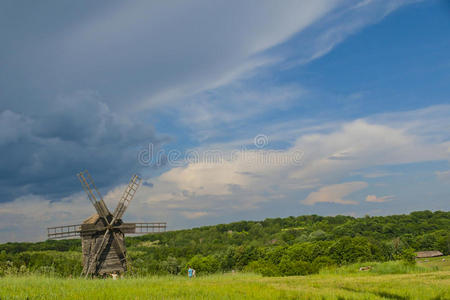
{"x": 201, "y": 51}
{"x": 212, "y": 114}
{"x": 341, "y": 23}
{"x": 373, "y": 198}
{"x": 379, "y": 174}
{"x": 335, "y": 193}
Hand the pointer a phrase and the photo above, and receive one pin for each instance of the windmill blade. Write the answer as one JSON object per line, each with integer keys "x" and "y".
{"x": 127, "y": 227}
{"x": 93, "y": 194}
{"x": 90, "y": 229}
{"x": 137, "y": 228}
{"x": 101, "y": 248}
{"x": 118, "y": 247}
{"x": 60, "y": 232}
{"x": 127, "y": 197}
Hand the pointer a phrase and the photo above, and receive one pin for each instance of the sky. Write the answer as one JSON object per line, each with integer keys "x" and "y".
{"x": 229, "y": 110}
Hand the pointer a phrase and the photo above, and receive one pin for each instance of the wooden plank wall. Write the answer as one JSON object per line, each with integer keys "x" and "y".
{"x": 108, "y": 260}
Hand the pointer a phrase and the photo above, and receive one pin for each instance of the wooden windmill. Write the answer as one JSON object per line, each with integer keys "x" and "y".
{"x": 102, "y": 234}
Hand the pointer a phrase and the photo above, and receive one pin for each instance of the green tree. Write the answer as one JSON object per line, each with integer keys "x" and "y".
{"x": 408, "y": 256}
{"x": 288, "y": 267}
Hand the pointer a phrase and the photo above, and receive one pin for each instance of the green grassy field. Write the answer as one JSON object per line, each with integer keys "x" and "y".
{"x": 442, "y": 262}
{"x": 429, "y": 282}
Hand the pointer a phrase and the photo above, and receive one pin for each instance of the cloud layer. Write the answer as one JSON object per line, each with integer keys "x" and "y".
{"x": 204, "y": 189}
{"x": 85, "y": 84}
{"x": 42, "y": 153}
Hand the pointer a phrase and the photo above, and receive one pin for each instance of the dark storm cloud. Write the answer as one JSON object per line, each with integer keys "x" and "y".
{"x": 40, "y": 154}
{"x": 132, "y": 56}
{"x": 135, "y": 56}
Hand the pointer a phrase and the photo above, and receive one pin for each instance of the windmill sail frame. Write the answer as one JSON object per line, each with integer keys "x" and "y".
{"x": 103, "y": 234}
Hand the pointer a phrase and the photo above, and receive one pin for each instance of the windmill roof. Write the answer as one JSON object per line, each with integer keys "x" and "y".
{"x": 92, "y": 219}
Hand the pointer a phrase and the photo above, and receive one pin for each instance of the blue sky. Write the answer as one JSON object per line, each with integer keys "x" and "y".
{"x": 326, "y": 107}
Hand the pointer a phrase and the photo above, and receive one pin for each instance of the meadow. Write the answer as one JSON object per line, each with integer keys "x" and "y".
{"x": 304, "y": 257}
{"x": 390, "y": 280}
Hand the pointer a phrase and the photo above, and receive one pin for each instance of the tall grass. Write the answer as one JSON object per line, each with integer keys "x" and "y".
{"x": 395, "y": 267}
{"x": 390, "y": 267}
{"x": 428, "y": 285}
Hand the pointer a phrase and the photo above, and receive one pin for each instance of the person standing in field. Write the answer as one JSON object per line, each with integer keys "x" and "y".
{"x": 193, "y": 272}
{"x": 114, "y": 275}
{"x": 190, "y": 272}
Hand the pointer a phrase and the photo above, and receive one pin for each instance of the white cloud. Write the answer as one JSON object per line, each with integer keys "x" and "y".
{"x": 359, "y": 144}
{"x": 245, "y": 182}
{"x": 27, "y": 218}
{"x": 246, "y": 171}
{"x": 335, "y": 193}
{"x": 329, "y": 158}
{"x": 373, "y": 198}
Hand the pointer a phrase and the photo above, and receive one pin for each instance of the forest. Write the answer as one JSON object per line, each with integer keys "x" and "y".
{"x": 274, "y": 247}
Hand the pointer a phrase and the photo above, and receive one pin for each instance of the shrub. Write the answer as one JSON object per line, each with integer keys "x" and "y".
{"x": 318, "y": 235}
{"x": 263, "y": 267}
{"x": 288, "y": 267}
{"x": 408, "y": 256}
{"x": 170, "y": 265}
{"x": 397, "y": 267}
{"x": 203, "y": 264}
{"x": 323, "y": 262}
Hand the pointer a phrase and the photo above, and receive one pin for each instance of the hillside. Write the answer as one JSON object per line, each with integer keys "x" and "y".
{"x": 281, "y": 246}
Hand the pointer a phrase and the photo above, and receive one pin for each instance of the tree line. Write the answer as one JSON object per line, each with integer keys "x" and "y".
{"x": 272, "y": 247}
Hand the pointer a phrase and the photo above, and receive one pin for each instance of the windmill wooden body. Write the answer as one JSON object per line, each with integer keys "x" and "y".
{"x": 103, "y": 234}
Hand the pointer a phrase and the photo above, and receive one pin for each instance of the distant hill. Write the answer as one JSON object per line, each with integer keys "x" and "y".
{"x": 276, "y": 246}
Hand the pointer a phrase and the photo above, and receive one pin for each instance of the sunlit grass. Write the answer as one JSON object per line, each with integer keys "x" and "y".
{"x": 361, "y": 285}
{"x": 441, "y": 262}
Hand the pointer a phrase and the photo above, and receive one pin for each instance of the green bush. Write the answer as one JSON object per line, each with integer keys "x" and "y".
{"x": 263, "y": 267}
{"x": 398, "y": 267}
{"x": 323, "y": 262}
{"x": 203, "y": 264}
{"x": 288, "y": 267}
{"x": 409, "y": 256}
